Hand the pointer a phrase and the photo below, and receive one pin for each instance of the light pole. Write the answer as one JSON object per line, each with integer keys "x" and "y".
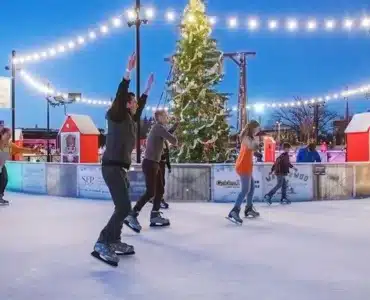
{"x": 137, "y": 22}
{"x": 48, "y": 158}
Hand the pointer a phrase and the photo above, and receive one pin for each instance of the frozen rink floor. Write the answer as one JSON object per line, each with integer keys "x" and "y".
{"x": 306, "y": 251}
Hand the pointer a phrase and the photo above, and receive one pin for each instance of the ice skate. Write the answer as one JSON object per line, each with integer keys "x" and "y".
{"x": 132, "y": 222}
{"x": 267, "y": 199}
{"x": 105, "y": 253}
{"x": 164, "y": 204}
{"x": 156, "y": 219}
{"x": 250, "y": 211}
{"x": 234, "y": 216}
{"x": 285, "y": 201}
{"x": 3, "y": 202}
{"x": 122, "y": 248}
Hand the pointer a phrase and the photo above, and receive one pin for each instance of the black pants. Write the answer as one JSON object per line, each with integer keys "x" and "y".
{"x": 118, "y": 185}
{"x": 154, "y": 185}
{"x": 162, "y": 166}
{"x": 3, "y": 181}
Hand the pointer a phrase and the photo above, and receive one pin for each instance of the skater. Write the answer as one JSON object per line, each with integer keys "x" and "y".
{"x": 152, "y": 172}
{"x": 244, "y": 168}
{"x": 281, "y": 169}
{"x": 308, "y": 154}
{"x": 121, "y": 117}
{"x": 165, "y": 161}
{"x": 7, "y": 149}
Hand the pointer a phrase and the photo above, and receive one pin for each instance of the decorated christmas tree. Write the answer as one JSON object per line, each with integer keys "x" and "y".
{"x": 203, "y": 131}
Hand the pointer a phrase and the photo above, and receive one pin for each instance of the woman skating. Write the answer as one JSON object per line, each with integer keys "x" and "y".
{"x": 9, "y": 148}
{"x": 244, "y": 168}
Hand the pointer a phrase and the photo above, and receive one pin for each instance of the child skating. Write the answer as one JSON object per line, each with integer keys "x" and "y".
{"x": 281, "y": 169}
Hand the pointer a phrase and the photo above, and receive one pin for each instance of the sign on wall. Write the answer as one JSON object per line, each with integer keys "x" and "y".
{"x": 34, "y": 178}
{"x": 226, "y": 183}
{"x": 5, "y": 92}
{"x": 90, "y": 182}
{"x": 70, "y": 147}
{"x": 300, "y": 185}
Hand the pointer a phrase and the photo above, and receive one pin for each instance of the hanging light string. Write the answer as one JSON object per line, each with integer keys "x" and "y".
{"x": 260, "y": 106}
{"x": 251, "y": 24}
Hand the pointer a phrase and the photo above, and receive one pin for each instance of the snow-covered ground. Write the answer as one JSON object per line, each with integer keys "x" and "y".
{"x": 306, "y": 251}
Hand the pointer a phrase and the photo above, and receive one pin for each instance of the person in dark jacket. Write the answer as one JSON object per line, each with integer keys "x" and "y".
{"x": 281, "y": 169}
{"x": 308, "y": 154}
{"x": 122, "y": 117}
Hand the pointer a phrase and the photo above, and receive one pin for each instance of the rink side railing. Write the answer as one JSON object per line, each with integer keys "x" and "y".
{"x": 194, "y": 182}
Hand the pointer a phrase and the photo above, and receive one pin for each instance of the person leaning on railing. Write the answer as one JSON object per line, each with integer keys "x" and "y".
{"x": 7, "y": 149}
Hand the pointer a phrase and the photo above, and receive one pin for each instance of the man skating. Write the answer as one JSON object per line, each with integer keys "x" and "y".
{"x": 152, "y": 172}
{"x": 121, "y": 117}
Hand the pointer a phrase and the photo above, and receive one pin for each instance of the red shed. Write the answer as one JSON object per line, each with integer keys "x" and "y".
{"x": 79, "y": 140}
{"x": 358, "y": 138}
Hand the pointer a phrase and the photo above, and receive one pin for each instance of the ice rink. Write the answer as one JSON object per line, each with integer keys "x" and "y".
{"x": 306, "y": 251}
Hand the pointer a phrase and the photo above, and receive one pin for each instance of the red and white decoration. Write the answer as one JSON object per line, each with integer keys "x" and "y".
{"x": 79, "y": 139}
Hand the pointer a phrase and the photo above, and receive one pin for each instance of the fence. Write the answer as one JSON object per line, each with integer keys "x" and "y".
{"x": 194, "y": 182}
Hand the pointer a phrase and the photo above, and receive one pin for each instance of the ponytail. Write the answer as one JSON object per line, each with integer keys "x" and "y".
{"x": 248, "y": 130}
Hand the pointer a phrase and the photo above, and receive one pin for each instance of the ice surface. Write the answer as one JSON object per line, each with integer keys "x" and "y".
{"x": 306, "y": 251}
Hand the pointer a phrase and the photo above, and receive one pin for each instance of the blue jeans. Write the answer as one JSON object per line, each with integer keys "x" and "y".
{"x": 281, "y": 183}
{"x": 247, "y": 183}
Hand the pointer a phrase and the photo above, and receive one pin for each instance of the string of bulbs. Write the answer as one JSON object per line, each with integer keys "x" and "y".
{"x": 251, "y": 24}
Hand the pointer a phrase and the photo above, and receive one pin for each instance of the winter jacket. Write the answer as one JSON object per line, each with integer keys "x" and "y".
{"x": 282, "y": 165}
{"x": 307, "y": 156}
{"x": 121, "y": 136}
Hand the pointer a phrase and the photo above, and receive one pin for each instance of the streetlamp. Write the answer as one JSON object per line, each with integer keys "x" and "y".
{"x": 137, "y": 22}
{"x": 12, "y": 68}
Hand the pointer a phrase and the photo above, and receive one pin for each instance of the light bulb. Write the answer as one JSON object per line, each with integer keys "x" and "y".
{"x": 365, "y": 23}
{"x": 312, "y": 25}
{"x": 71, "y": 45}
{"x": 190, "y": 18}
{"x": 252, "y": 24}
{"x": 80, "y": 40}
{"x": 52, "y": 51}
{"x": 348, "y": 23}
{"x": 92, "y": 35}
{"x": 272, "y": 24}
{"x": 292, "y": 25}
{"x": 149, "y": 13}
{"x": 131, "y": 15}
{"x": 330, "y": 24}
{"x": 212, "y": 20}
{"x": 104, "y": 29}
{"x": 116, "y": 22}
{"x": 233, "y": 22}
{"x": 171, "y": 16}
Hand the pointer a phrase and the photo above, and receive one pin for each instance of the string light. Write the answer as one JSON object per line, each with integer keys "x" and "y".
{"x": 254, "y": 24}
{"x": 363, "y": 89}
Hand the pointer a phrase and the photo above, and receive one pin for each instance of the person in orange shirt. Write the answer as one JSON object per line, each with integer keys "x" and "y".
{"x": 244, "y": 168}
{"x": 7, "y": 149}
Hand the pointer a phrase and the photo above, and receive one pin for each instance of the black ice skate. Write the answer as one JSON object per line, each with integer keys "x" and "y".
{"x": 105, "y": 253}
{"x": 132, "y": 222}
{"x": 3, "y": 202}
{"x": 156, "y": 219}
{"x": 164, "y": 204}
{"x": 234, "y": 216}
{"x": 285, "y": 201}
{"x": 268, "y": 199}
{"x": 250, "y": 211}
{"x": 122, "y": 248}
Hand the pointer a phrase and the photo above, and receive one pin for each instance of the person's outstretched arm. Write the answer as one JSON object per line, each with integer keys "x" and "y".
{"x": 143, "y": 98}
{"x": 15, "y": 149}
{"x": 122, "y": 91}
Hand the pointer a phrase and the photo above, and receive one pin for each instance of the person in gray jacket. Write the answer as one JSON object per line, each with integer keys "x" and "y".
{"x": 152, "y": 172}
{"x": 122, "y": 116}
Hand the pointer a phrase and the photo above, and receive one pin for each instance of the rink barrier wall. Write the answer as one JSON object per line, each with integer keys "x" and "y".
{"x": 194, "y": 182}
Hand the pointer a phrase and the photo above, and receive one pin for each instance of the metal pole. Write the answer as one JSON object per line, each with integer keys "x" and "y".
{"x": 316, "y": 117}
{"x": 13, "y": 95}
{"x": 138, "y": 23}
{"x": 245, "y": 84}
{"x": 48, "y": 159}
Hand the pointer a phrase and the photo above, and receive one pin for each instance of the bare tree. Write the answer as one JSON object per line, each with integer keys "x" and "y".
{"x": 301, "y": 119}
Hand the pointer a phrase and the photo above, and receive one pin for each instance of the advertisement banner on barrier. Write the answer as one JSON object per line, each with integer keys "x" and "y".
{"x": 5, "y": 92}
{"x": 226, "y": 183}
{"x": 300, "y": 185}
{"x": 90, "y": 182}
{"x": 34, "y": 178}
